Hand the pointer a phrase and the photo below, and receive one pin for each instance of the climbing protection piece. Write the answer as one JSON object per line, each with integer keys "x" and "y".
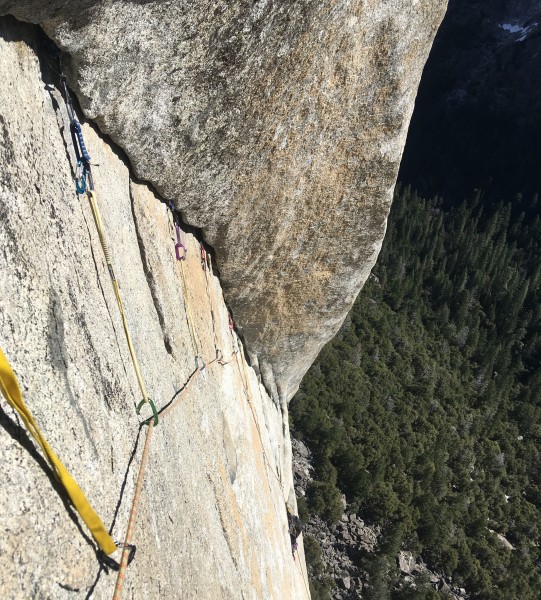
{"x": 85, "y": 182}
{"x": 12, "y": 393}
{"x": 203, "y": 257}
{"x": 180, "y": 249}
{"x": 81, "y": 153}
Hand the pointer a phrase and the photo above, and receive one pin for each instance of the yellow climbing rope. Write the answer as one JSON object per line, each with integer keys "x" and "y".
{"x": 12, "y": 393}
{"x": 103, "y": 239}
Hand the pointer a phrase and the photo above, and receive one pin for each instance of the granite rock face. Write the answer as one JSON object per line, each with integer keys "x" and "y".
{"x": 212, "y": 521}
{"x": 277, "y": 127}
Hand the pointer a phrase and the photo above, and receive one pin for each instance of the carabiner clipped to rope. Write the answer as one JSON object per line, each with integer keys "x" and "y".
{"x": 111, "y": 562}
{"x": 80, "y": 177}
{"x": 83, "y": 171}
{"x": 180, "y": 249}
{"x": 153, "y": 408}
{"x": 79, "y": 134}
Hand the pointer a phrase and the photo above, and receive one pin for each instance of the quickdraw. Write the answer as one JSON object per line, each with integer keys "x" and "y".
{"x": 83, "y": 171}
{"x": 203, "y": 257}
{"x": 180, "y": 249}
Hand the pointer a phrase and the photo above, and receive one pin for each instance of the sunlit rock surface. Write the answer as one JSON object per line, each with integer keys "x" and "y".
{"x": 275, "y": 126}
{"x": 212, "y": 521}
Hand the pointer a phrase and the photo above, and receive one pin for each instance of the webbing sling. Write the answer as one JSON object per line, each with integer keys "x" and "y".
{"x": 12, "y": 393}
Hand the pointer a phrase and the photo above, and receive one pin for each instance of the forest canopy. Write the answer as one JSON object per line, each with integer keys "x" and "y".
{"x": 425, "y": 410}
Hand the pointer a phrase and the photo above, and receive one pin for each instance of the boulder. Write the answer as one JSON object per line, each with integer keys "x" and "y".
{"x": 406, "y": 562}
{"x": 345, "y": 583}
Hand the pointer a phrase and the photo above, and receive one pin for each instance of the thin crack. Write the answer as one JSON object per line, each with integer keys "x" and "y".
{"x": 148, "y": 275}
{"x": 106, "y": 303}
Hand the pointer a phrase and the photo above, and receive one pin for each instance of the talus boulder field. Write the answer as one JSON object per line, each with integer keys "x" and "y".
{"x": 276, "y": 127}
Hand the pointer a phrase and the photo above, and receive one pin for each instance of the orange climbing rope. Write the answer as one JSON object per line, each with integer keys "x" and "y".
{"x": 133, "y": 513}
{"x": 140, "y": 478}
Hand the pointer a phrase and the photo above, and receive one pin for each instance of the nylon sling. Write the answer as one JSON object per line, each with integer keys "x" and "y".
{"x": 12, "y": 393}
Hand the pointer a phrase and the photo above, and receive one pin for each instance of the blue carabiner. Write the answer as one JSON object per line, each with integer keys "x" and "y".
{"x": 80, "y": 138}
{"x": 80, "y": 177}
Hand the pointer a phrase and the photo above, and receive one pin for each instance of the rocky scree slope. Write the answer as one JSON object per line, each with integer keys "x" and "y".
{"x": 212, "y": 520}
{"x": 277, "y": 127}
{"x": 342, "y": 546}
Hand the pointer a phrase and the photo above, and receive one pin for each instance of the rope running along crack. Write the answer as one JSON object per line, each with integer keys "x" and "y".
{"x": 85, "y": 183}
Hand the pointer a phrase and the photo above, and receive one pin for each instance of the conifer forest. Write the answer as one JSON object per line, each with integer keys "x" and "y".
{"x": 425, "y": 409}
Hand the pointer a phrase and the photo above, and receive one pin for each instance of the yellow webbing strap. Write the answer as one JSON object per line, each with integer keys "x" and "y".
{"x": 12, "y": 393}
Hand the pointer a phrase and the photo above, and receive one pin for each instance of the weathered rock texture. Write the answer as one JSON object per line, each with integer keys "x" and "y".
{"x": 275, "y": 126}
{"x": 212, "y": 522}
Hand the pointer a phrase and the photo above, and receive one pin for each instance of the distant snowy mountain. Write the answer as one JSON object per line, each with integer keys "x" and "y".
{"x": 477, "y": 122}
